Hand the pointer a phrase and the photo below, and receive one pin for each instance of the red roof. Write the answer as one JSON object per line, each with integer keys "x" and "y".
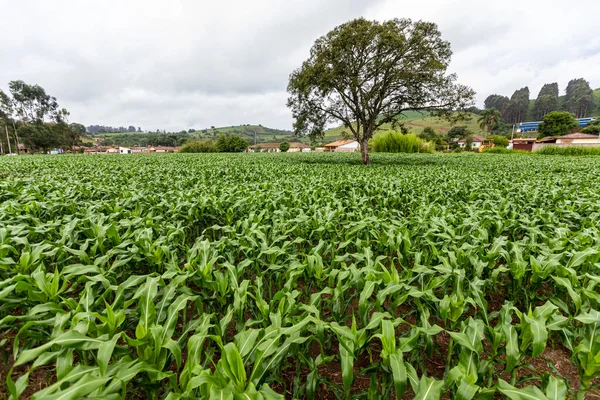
{"x": 339, "y": 143}
{"x": 525, "y": 140}
{"x": 577, "y": 135}
{"x": 475, "y": 139}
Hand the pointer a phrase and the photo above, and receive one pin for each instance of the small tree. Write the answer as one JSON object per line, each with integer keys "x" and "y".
{"x": 429, "y": 134}
{"x": 557, "y": 123}
{"x": 284, "y": 146}
{"x": 489, "y": 119}
{"x": 366, "y": 74}
{"x": 468, "y": 143}
{"x": 500, "y": 141}
{"x": 458, "y": 132}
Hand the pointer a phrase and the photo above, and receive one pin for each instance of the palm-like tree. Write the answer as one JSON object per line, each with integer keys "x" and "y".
{"x": 489, "y": 119}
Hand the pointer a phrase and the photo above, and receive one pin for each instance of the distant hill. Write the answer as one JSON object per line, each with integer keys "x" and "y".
{"x": 249, "y": 132}
{"x": 415, "y": 122}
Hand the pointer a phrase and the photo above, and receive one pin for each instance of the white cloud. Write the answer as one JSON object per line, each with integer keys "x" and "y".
{"x": 181, "y": 64}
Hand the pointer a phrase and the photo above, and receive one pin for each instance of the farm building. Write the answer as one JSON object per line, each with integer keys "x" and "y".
{"x": 524, "y": 144}
{"x": 574, "y": 139}
{"x": 124, "y": 150}
{"x": 342, "y": 146}
{"x": 162, "y": 149}
{"x": 297, "y": 147}
{"x": 264, "y": 148}
{"x": 477, "y": 142}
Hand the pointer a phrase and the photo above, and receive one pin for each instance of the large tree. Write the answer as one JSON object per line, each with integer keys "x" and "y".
{"x": 547, "y": 101}
{"x": 557, "y": 123}
{"x": 32, "y": 104}
{"x": 579, "y": 98}
{"x": 365, "y": 74}
{"x": 516, "y": 109}
{"x": 497, "y": 101}
{"x": 489, "y": 119}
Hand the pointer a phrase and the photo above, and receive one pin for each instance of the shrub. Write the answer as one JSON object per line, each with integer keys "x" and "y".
{"x": 284, "y": 146}
{"x": 231, "y": 144}
{"x": 503, "y": 150}
{"x": 592, "y": 129}
{"x": 195, "y": 146}
{"x": 396, "y": 142}
{"x": 500, "y": 141}
{"x": 569, "y": 151}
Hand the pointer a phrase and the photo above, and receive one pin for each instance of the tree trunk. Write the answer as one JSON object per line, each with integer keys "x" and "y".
{"x": 364, "y": 149}
{"x": 7, "y": 139}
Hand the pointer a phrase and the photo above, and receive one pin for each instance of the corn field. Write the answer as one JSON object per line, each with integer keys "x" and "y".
{"x": 300, "y": 276}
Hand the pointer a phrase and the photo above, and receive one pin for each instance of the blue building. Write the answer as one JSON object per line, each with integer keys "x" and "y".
{"x": 533, "y": 126}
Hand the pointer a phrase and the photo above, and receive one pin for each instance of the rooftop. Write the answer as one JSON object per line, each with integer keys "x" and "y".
{"x": 576, "y": 135}
{"x": 339, "y": 143}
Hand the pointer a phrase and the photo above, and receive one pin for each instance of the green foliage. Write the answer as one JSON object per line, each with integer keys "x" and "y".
{"x": 196, "y": 146}
{"x": 547, "y": 101}
{"x": 516, "y": 109}
{"x": 591, "y": 129}
{"x": 459, "y": 132}
{"x": 231, "y": 144}
{"x": 499, "y": 141}
{"x": 489, "y": 119}
{"x": 429, "y": 134}
{"x": 557, "y": 123}
{"x": 396, "y": 142}
{"x": 569, "y": 151}
{"x": 407, "y": 61}
{"x": 497, "y": 101}
{"x": 579, "y": 99}
{"x": 284, "y": 146}
{"x": 228, "y": 277}
{"x": 504, "y": 150}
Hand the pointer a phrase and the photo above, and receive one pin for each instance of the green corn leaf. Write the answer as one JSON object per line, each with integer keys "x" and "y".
{"x": 539, "y": 334}
{"x": 526, "y": 393}
{"x": 513, "y": 354}
{"x": 429, "y": 389}
{"x": 70, "y": 339}
{"x": 81, "y": 388}
{"x": 399, "y": 373}
{"x": 556, "y": 389}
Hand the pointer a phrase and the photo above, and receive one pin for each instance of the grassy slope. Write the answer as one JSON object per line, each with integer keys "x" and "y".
{"x": 415, "y": 122}
{"x": 263, "y": 134}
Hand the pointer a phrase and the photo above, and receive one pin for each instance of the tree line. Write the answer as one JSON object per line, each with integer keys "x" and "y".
{"x": 94, "y": 129}
{"x": 578, "y": 100}
{"x": 31, "y": 117}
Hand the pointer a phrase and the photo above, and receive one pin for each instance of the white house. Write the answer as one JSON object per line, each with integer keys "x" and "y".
{"x": 343, "y": 146}
{"x": 124, "y": 150}
{"x": 477, "y": 142}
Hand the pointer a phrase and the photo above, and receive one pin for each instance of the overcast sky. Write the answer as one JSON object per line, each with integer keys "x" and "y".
{"x": 172, "y": 64}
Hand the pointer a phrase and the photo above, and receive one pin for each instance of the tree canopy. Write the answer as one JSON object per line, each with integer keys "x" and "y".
{"x": 547, "y": 101}
{"x": 579, "y": 97}
{"x": 489, "y": 119}
{"x": 557, "y": 123}
{"x": 365, "y": 74}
